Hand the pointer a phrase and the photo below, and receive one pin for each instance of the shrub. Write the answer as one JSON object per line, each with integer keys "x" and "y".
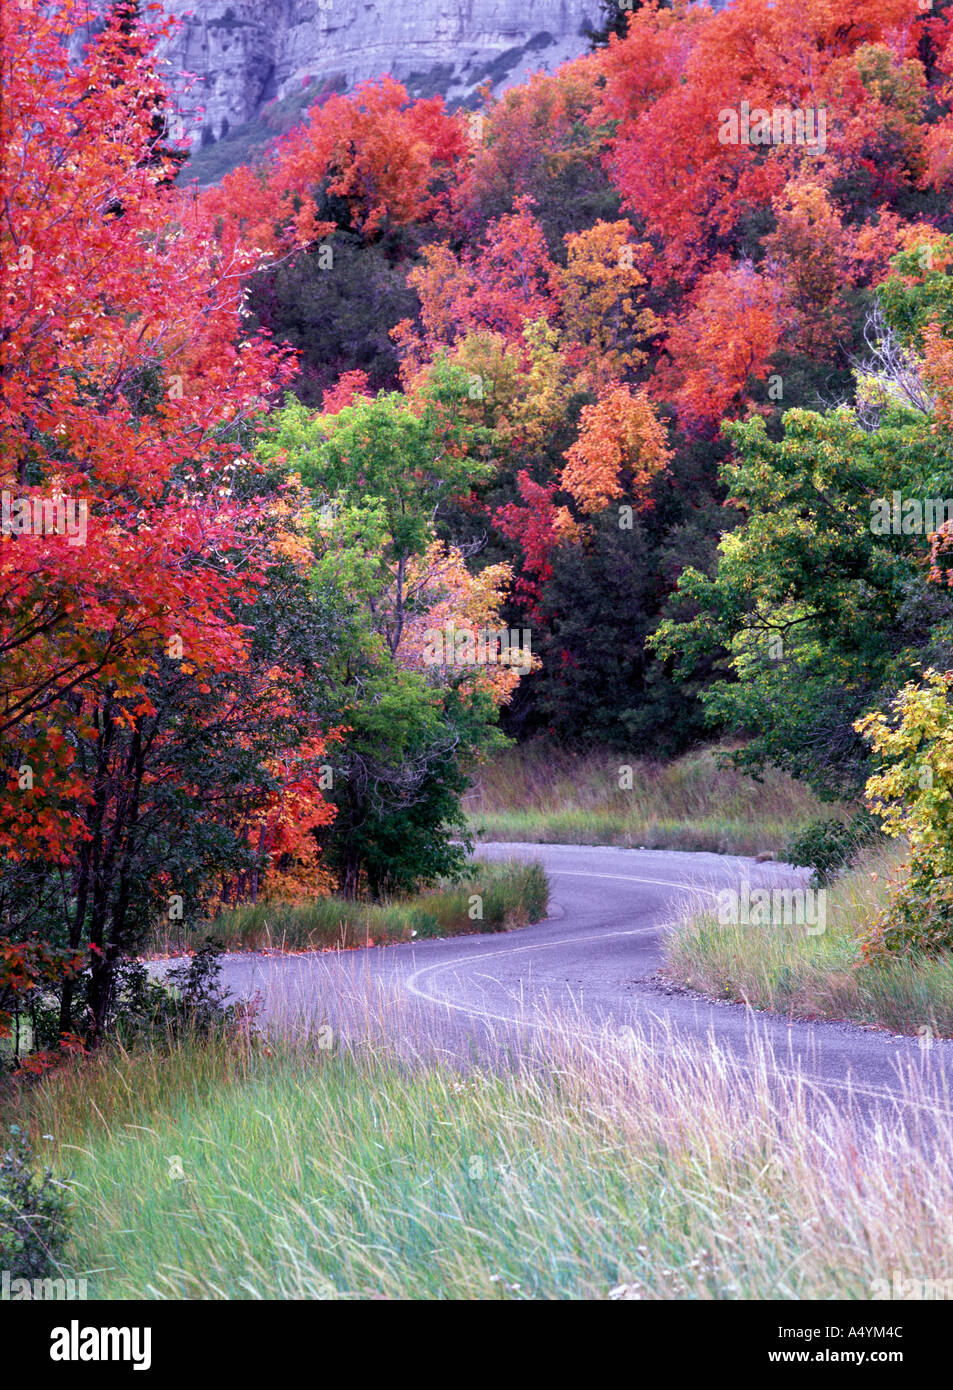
{"x": 33, "y": 1227}
{"x": 919, "y": 918}
{"x": 913, "y": 796}
{"x": 190, "y": 999}
{"x": 828, "y": 846}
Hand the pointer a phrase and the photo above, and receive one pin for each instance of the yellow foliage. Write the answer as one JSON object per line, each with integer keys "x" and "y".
{"x": 600, "y": 292}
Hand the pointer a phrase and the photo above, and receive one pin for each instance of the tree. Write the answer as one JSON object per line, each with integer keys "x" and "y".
{"x": 365, "y": 162}
{"x": 381, "y": 468}
{"x": 820, "y": 604}
{"x": 910, "y": 792}
{"x": 537, "y": 141}
{"x": 702, "y": 186}
{"x": 620, "y": 449}
{"x": 723, "y": 338}
{"x": 508, "y": 284}
{"x": 125, "y": 380}
{"x": 600, "y": 294}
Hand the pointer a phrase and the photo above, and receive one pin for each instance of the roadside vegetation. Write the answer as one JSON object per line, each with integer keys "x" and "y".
{"x": 696, "y": 802}
{"x": 489, "y": 897}
{"x": 229, "y": 1170}
{"x": 783, "y": 968}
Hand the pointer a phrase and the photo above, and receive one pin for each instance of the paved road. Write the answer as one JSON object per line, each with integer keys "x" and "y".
{"x": 595, "y": 961}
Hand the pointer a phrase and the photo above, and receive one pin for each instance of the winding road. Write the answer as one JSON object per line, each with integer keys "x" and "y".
{"x": 593, "y": 964}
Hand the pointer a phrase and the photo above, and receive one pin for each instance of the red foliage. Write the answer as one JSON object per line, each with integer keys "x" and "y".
{"x": 391, "y": 161}
{"x": 538, "y": 525}
{"x": 674, "y": 80}
{"x": 510, "y": 282}
{"x": 345, "y": 390}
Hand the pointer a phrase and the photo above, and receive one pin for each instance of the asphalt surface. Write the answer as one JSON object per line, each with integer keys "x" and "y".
{"x": 591, "y": 967}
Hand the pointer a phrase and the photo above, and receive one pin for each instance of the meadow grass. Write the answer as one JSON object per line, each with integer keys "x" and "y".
{"x": 695, "y": 802}
{"x": 783, "y": 968}
{"x": 622, "y": 1167}
{"x": 510, "y": 894}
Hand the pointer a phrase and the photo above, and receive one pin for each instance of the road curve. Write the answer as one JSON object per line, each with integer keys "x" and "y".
{"x": 594, "y": 961}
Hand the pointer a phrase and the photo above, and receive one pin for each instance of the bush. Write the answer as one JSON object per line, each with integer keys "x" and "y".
{"x": 919, "y": 919}
{"x": 913, "y": 796}
{"x": 33, "y": 1228}
{"x": 828, "y": 846}
{"x": 190, "y": 999}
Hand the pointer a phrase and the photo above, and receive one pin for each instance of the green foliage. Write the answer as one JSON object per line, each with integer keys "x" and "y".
{"x": 920, "y": 290}
{"x": 813, "y": 613}
{"x": 398, "y": 804}
{"x": 385, "y": 466}
{"x": 189, "y": 1001}
{"x": 389, "y": 461}
{"x": 33, "y": 1213}
{"x": 601, "y": 682}
{"x": 918, "y": 921}
{"x": 828, "y": 846}
{"x": 337, "y": 316}
{"x": 912, "y": 794}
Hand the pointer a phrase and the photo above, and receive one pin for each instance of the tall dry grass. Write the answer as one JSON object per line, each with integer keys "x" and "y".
{"x": 782, "y": 967}
{"x": 613, "y": 1165}
{"x": 544, "y": 794}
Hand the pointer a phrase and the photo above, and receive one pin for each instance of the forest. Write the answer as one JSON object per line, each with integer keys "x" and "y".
{"x": 616, "y": 414}
{"x": 518, "y": 535}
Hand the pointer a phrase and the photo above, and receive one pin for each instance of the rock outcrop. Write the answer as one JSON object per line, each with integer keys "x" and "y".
{"x": 246, "y": 53}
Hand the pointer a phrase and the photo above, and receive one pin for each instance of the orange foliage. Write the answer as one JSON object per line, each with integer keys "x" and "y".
{"x": 620, "y": 450}
{"x": 600, "y": 298}
{"x": 345, "y": 390}
{"x": 389, "y": 159}
{"x": 444, "y": 593}
{"x": 938, "y": 370}
{"x": 528, "y": 137}
{"x": 728, "y": 334}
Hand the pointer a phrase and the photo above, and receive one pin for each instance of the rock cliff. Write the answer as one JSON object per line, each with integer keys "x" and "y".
{"x": 246, "y": 53}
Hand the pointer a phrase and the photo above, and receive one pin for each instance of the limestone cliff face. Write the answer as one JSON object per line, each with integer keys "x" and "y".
{"x": 244, "y": 53}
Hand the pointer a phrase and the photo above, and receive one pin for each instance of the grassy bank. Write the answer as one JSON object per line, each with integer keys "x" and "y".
{"x": 491, "y": 897}
{"x": 548, "y": 795}
{"x": 620, "y": 1171}
{"x": 783, "y": 968}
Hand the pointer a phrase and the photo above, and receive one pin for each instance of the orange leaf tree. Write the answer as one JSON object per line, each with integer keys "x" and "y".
{"x": 129, "y": 557}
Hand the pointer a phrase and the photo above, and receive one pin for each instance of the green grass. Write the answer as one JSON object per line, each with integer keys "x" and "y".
{"x": 546, "y": 795}
{"x": 782, "y": 968}
{"x": 510, "y": 894}
{"x": 622, "y": 1170}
